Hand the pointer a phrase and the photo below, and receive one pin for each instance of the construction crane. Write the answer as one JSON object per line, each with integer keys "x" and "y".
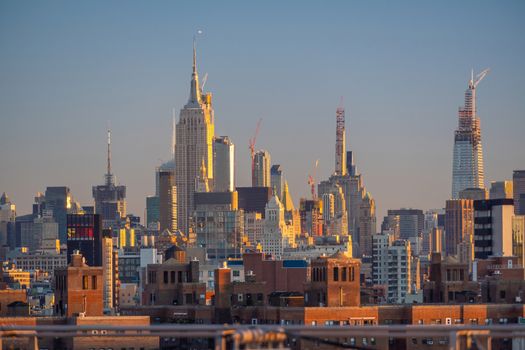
{"x": 311, "y": 180}
{"x": 251, "y": 146}
{"x": 475, "y": 81}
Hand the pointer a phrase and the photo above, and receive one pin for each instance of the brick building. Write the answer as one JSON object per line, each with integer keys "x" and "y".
{"x": 173, "y": 282}
{"x": 334, "y": 282}
{"x": 79, "y": 288}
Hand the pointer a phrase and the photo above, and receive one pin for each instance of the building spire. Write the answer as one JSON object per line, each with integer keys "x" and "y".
{"x": 109, "y": 175}
{"x": 195, "y": 91}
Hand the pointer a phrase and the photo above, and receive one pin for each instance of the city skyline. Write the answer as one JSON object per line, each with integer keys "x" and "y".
{"x": 32, "y": 169}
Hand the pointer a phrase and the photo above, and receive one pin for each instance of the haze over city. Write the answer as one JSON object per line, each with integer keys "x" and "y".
{"x": 67, "y": 69}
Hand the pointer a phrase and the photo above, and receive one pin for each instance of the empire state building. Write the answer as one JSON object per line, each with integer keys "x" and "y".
{"x": 194, "y": 146}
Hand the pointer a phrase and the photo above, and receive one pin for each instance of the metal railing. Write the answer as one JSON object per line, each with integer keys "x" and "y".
{"x": 279, "y": 337}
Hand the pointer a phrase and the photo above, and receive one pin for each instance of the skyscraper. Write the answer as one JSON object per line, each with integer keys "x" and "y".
{"x": 518, "y": 179}
{"x": 110, "y": 200}
{"x": 195, "y": 133}
{"x": 340, "y": 143}
{"x": 167, "y": 200}
{"x": 261, "y": 169}
{"x": 467, "y": 167}
{"x": 224, "y": 163}
{"x": 277, "y": 180}
{"x": 84, "y": 233}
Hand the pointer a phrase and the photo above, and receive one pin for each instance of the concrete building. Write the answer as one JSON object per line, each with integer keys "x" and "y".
{"x": 380, "y": 244}
{"x": 411, "y": 221}
{"x": 459, "y": 223}
{"x": 493, "y": 227}
{"x": 399, "y": 271}
{"x": 46, "y": 262}
{"x": 218, "y": 224}
{"x": 59, "y": 200}
{"x": 261, "y": 169}
{"x": 311, "y": 214}
{"x": 467, "y": 166}
{"x": 501, "y": 190}
{"x": 195, "y": 133}
{"x": 79, "y": 288}
{"x": 224, "y": 163}
{"x": 518, "y": 181}
{"x": 254, "y": 199}
{"x": 7, "y": 220}
{"x": 253, "y": 228}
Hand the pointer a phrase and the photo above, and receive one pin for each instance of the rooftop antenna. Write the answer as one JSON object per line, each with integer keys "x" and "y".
{"x": 109, "y": 176}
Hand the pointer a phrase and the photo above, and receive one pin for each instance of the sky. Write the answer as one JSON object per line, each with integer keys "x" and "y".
{"x": 69, "y": 67}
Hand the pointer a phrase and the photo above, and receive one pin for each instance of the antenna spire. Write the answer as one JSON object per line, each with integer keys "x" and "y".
{"x": 109, "y": 175}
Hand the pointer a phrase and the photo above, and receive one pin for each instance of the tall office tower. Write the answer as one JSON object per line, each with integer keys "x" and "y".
{"x": 152, "y": 211}
{"x": 110, "y": 200}
{"x": 350, "y": 167}
{"x": 261, "y": 169}
{"x": 411, "y": 222}
{"x": 501, "y": 190}
{"x": 168, "y": 218}
{"x": 195, "y": 132}
{"x": 518, "y": 180}
{"x": 493, "y": 227}
{"x": 340, "y": 145}
{"x": 467, "y": 167}
{"x": 224, "y": 163}
{"x": 277, "y": 180}
{"x": 277, "y": 234}
{"x": 367, "y": 224}
{"x": 346, "y": 176}
{"x": 58, "y": 199}
{"x": 84, "y": 233}
{"x": 335, "y": 220}
{"x": 7, "y": 218}
{"x": 459, "y": 224}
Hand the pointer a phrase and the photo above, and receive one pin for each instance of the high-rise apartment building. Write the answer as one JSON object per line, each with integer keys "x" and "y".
{"x": 110, "y": 199}
{"x": 467, "y": 167}
{"x": 224, "y": 163}
{"x": 518, "y": 180}
{"x": 367, "y": 224}
{"x": 195, "y": 133}
{"x": 261, "y": 169}
{"x": 399, "y": 271}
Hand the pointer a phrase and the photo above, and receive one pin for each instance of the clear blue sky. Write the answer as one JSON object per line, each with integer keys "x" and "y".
{"x": 67, "y": 67}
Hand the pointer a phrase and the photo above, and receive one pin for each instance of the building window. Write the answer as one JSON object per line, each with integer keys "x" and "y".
{"x": 94, "y": 282}
{"x": 172, "y": 276}
{"x": 336, "y": 274}
{"x": 352, "y": 276}
{"x": 343, "y": 275}
{"x": 85, "y": 282}
{"x": 236, "y": 273}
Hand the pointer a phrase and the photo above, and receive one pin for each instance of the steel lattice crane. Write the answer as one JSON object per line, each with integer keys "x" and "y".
{"x": 311, "y": 180}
